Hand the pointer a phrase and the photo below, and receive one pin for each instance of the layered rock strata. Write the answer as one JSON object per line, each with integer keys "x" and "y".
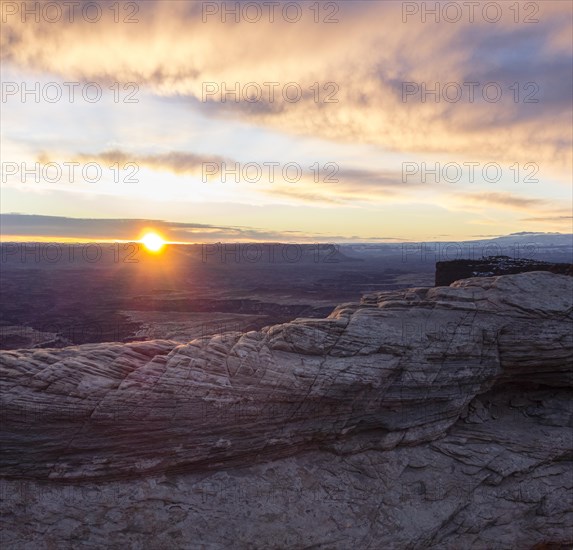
{"x": 420, "y": 418}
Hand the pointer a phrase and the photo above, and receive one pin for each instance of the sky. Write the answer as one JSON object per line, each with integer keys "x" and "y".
{"x": 336, "y": 121}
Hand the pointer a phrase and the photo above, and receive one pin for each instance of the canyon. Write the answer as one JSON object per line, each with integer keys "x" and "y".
{"x": 415, "y": 418}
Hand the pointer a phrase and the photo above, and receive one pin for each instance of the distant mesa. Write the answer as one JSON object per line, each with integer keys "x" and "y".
{"x": 492, "y": 266}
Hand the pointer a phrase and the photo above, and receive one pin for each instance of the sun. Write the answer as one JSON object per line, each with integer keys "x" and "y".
{"x": 153, "y": 242}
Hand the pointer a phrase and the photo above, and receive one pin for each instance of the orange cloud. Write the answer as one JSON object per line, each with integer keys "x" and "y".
{"x": 368, "y": 55}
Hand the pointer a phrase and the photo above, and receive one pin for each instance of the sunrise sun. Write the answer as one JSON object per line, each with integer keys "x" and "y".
{"x": 153, "y": 242}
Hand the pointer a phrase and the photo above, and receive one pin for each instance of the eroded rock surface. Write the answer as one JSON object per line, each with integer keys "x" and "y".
{"x": 421, "y": 418}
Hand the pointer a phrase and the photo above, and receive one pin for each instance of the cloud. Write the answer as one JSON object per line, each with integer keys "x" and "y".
{"x": 177, "y": 162}
{"x": 332, "y": 185}
{"x": 564, "y": 219}
{"x": 504, "y": 200}
{"x": 58, "y": 228}
{"x": 30, "y": 227}
{"x": 23, "y": 225}
{"x": 301, "y": 196}
{"x": 539, "y": 210}
{"x": 368, "y": 56}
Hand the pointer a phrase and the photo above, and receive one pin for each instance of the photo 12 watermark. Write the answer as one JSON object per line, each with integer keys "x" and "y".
{"x": 69, "y": 172}
{"x": 69, "y": 92}
{"x": 271, "y": 12}
{"x": 269, "y": 92}
{"x": 267, "y": 172}
{"x": 466, "y": 250}
{"x": 470, "y": 12}
{"x": 70, "y": 253}
{"x": 67, "y": 332}
{"x": 454, "y": 172}
{"x": 423, "y": 332}
{"x": 67, "y": 12}
{"x": 470, "y": 92}
{"x": 269, "y": 253}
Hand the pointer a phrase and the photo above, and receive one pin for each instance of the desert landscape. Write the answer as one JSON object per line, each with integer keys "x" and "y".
{"x": 347, "y": 424}
{"x": 169, "y": 394}
{"x": 198, "y": 290}
{"x": 287, "y": 275}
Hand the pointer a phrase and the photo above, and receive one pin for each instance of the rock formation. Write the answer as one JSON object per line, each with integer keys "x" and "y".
{"x": 453, "y": 270}
{"x": 420, "y": 418}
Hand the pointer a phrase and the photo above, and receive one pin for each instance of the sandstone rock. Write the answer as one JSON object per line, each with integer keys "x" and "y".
{"x": 421, "y": 418}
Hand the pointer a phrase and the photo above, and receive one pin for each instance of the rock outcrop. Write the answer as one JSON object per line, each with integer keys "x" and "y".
{"x": 420, "y": 418}
{"x": 450, "y": 271}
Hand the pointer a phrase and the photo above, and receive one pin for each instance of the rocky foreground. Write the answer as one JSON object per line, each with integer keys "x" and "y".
{"x": 420, "y": 418}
